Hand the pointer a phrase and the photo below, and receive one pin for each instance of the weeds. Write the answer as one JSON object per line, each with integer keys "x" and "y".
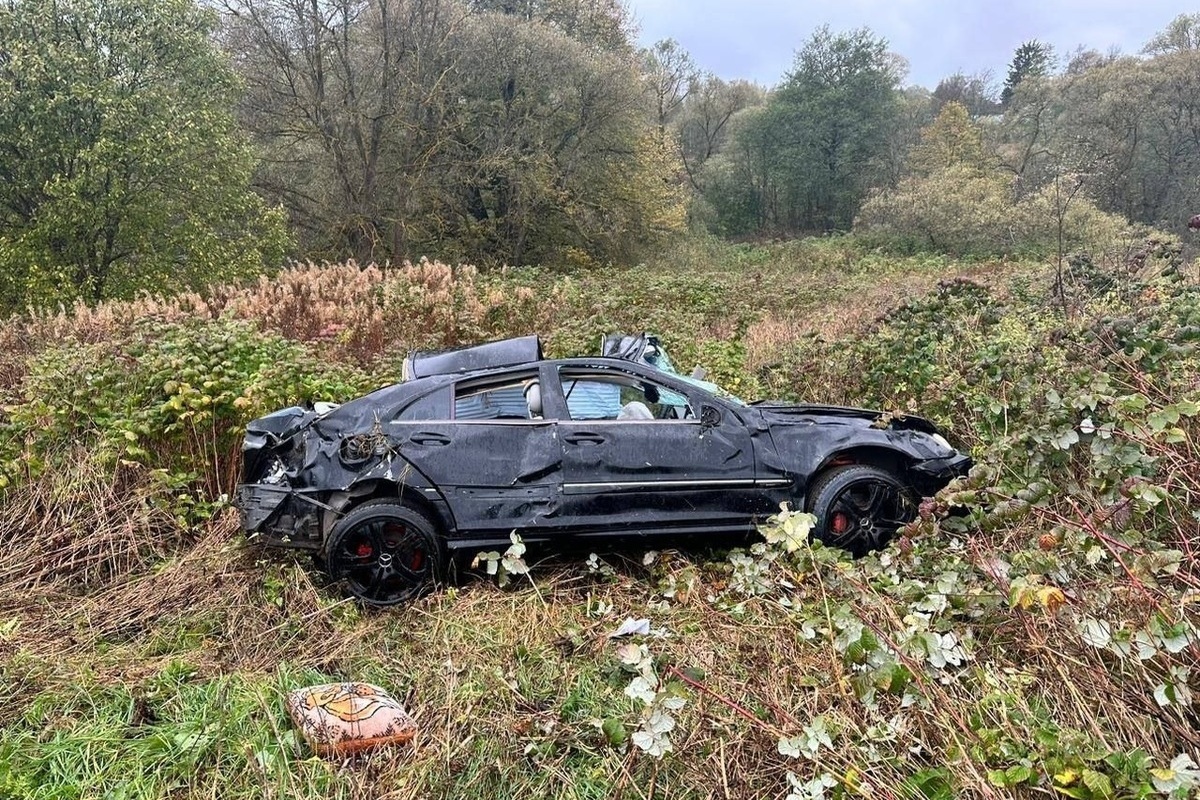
{"x": 1032, "y": 633}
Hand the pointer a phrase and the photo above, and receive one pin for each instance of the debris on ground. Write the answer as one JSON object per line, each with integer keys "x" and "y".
{"x": 340, "y": 718}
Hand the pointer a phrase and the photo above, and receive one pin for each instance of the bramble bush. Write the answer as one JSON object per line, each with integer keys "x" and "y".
{"x": 170, "y": 397}
{"x": 1030, "y": 668}
{"x": 1038, "y": 620}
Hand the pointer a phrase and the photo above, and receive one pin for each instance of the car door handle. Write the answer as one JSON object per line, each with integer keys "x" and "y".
{"x": 583, "y": 438}
{"x": 429, "y": 439}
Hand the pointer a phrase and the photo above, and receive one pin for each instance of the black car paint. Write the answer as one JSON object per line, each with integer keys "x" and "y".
{"x": 718, "y": 472}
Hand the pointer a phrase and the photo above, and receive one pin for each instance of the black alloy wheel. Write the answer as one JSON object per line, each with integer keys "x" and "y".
{"x": 384, "y": 553}
{"x": 859, "y": 508}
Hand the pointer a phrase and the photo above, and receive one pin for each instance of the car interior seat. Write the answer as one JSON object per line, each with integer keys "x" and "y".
{"x": 533, "y": 397}
{"x": 635, "y": 409}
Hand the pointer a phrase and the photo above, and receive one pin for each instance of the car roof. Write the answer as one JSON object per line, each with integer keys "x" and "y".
{"x": 514, "y": 352}
{"x": 474, "y": 358}
{"x": 412, "y": 387}
{"x": 430, "y": 370}
{"x": 403, "y": 393}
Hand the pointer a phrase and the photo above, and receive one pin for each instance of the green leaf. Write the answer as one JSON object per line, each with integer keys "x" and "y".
{"x": 1098, "y": 783}
{"x": 1188, "y": 408}
{"x": 614, "y": 731}
{"x": 790, "y": 747}
{"x": 1018, "y": 774}
{"x": 1175, "y": 436}
{"x": 1151, "y": 494}
{"x": 790, "y": 528}
{"x": 1095, "y": 632}
{"x": 1065, "y": 439}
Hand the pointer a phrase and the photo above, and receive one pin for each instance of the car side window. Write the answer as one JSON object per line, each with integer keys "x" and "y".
{"x": 495, "y": 401}
{"x": 621, "y": 398}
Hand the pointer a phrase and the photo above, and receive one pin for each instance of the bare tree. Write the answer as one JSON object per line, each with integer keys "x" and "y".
{"x": 704, "y": 120}
{"x": 396, "y": 128}
{"x": 348, "y": 101}
{"x": 670, "y": 75}
{"x": 597, "y": 24}
{"x": 976, "y": 93}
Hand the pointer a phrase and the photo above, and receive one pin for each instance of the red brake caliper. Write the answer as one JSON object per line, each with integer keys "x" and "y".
{"x": 363, "y": 549}
{"x": 841, "y": 522}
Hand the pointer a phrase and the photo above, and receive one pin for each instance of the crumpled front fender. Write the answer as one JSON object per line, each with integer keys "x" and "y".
{"x": 932, "y": 474}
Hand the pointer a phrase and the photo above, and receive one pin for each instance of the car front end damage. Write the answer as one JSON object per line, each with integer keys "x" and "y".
{"x": 810, "y": 439}
{"x": 272, "y": 498}
{"x": 931, "y": 475}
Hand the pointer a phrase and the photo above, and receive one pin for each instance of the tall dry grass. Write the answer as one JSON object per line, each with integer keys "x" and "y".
{"x": 349, "y": 312}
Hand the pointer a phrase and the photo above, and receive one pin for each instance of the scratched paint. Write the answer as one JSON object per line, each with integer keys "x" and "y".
{"x": 706, "y": 464}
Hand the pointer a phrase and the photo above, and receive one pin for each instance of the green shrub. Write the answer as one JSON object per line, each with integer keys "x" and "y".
{"x": 955, "y": 210}
{"x": 963, "y": 211}
{"x": 172, "y": 397}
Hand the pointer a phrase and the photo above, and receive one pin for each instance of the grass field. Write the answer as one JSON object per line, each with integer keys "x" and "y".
{"x": 1042, "y": 643}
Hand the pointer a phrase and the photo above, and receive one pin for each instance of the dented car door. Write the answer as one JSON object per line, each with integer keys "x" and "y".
{"x": 498, "y": 466}
{"x": 643, "y": 460}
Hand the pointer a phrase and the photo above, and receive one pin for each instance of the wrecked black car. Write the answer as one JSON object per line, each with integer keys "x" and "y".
{"x": 482, "y": 441}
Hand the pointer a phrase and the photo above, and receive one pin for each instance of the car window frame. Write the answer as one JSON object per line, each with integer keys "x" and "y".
{"x": 481, "y": 382}
{"x": 447, "y": 389}
{"x": 634, "y": 376}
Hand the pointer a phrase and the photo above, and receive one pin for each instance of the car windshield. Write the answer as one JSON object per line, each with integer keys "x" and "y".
{"x": 647, "y": 349}
{"x": 657, "y": 357}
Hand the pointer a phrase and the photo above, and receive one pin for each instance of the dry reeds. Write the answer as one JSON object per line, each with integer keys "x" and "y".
{"x": 81, "y": 527}
{"x": 350, "y": 312}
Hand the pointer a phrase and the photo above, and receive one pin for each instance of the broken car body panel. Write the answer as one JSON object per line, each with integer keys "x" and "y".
{"x": 491, "y": 439}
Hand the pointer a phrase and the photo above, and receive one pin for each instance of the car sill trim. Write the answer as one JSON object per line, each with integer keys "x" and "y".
{"x": 727, "y": 483}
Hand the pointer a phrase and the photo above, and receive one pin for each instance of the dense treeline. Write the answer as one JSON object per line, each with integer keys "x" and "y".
{"x": 504, "y": 131}
{"x": 1117, "y": 131}
{"x": 149, "y": 145}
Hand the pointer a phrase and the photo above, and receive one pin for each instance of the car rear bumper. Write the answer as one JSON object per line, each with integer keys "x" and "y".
{"x": 258, "y": 502}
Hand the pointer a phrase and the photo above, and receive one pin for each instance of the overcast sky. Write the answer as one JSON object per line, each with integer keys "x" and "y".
{"x": 757, "y": 39}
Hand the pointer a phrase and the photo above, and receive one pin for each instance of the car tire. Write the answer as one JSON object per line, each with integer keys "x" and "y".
{"x": 384, "y": 553}
{"x": 859, "y": 507}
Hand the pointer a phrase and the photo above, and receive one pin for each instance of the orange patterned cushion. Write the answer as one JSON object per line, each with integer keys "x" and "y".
{"x": 339, "y": 718}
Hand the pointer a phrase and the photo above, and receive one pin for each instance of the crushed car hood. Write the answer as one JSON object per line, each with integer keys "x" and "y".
{"x": 807, "y": 413}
